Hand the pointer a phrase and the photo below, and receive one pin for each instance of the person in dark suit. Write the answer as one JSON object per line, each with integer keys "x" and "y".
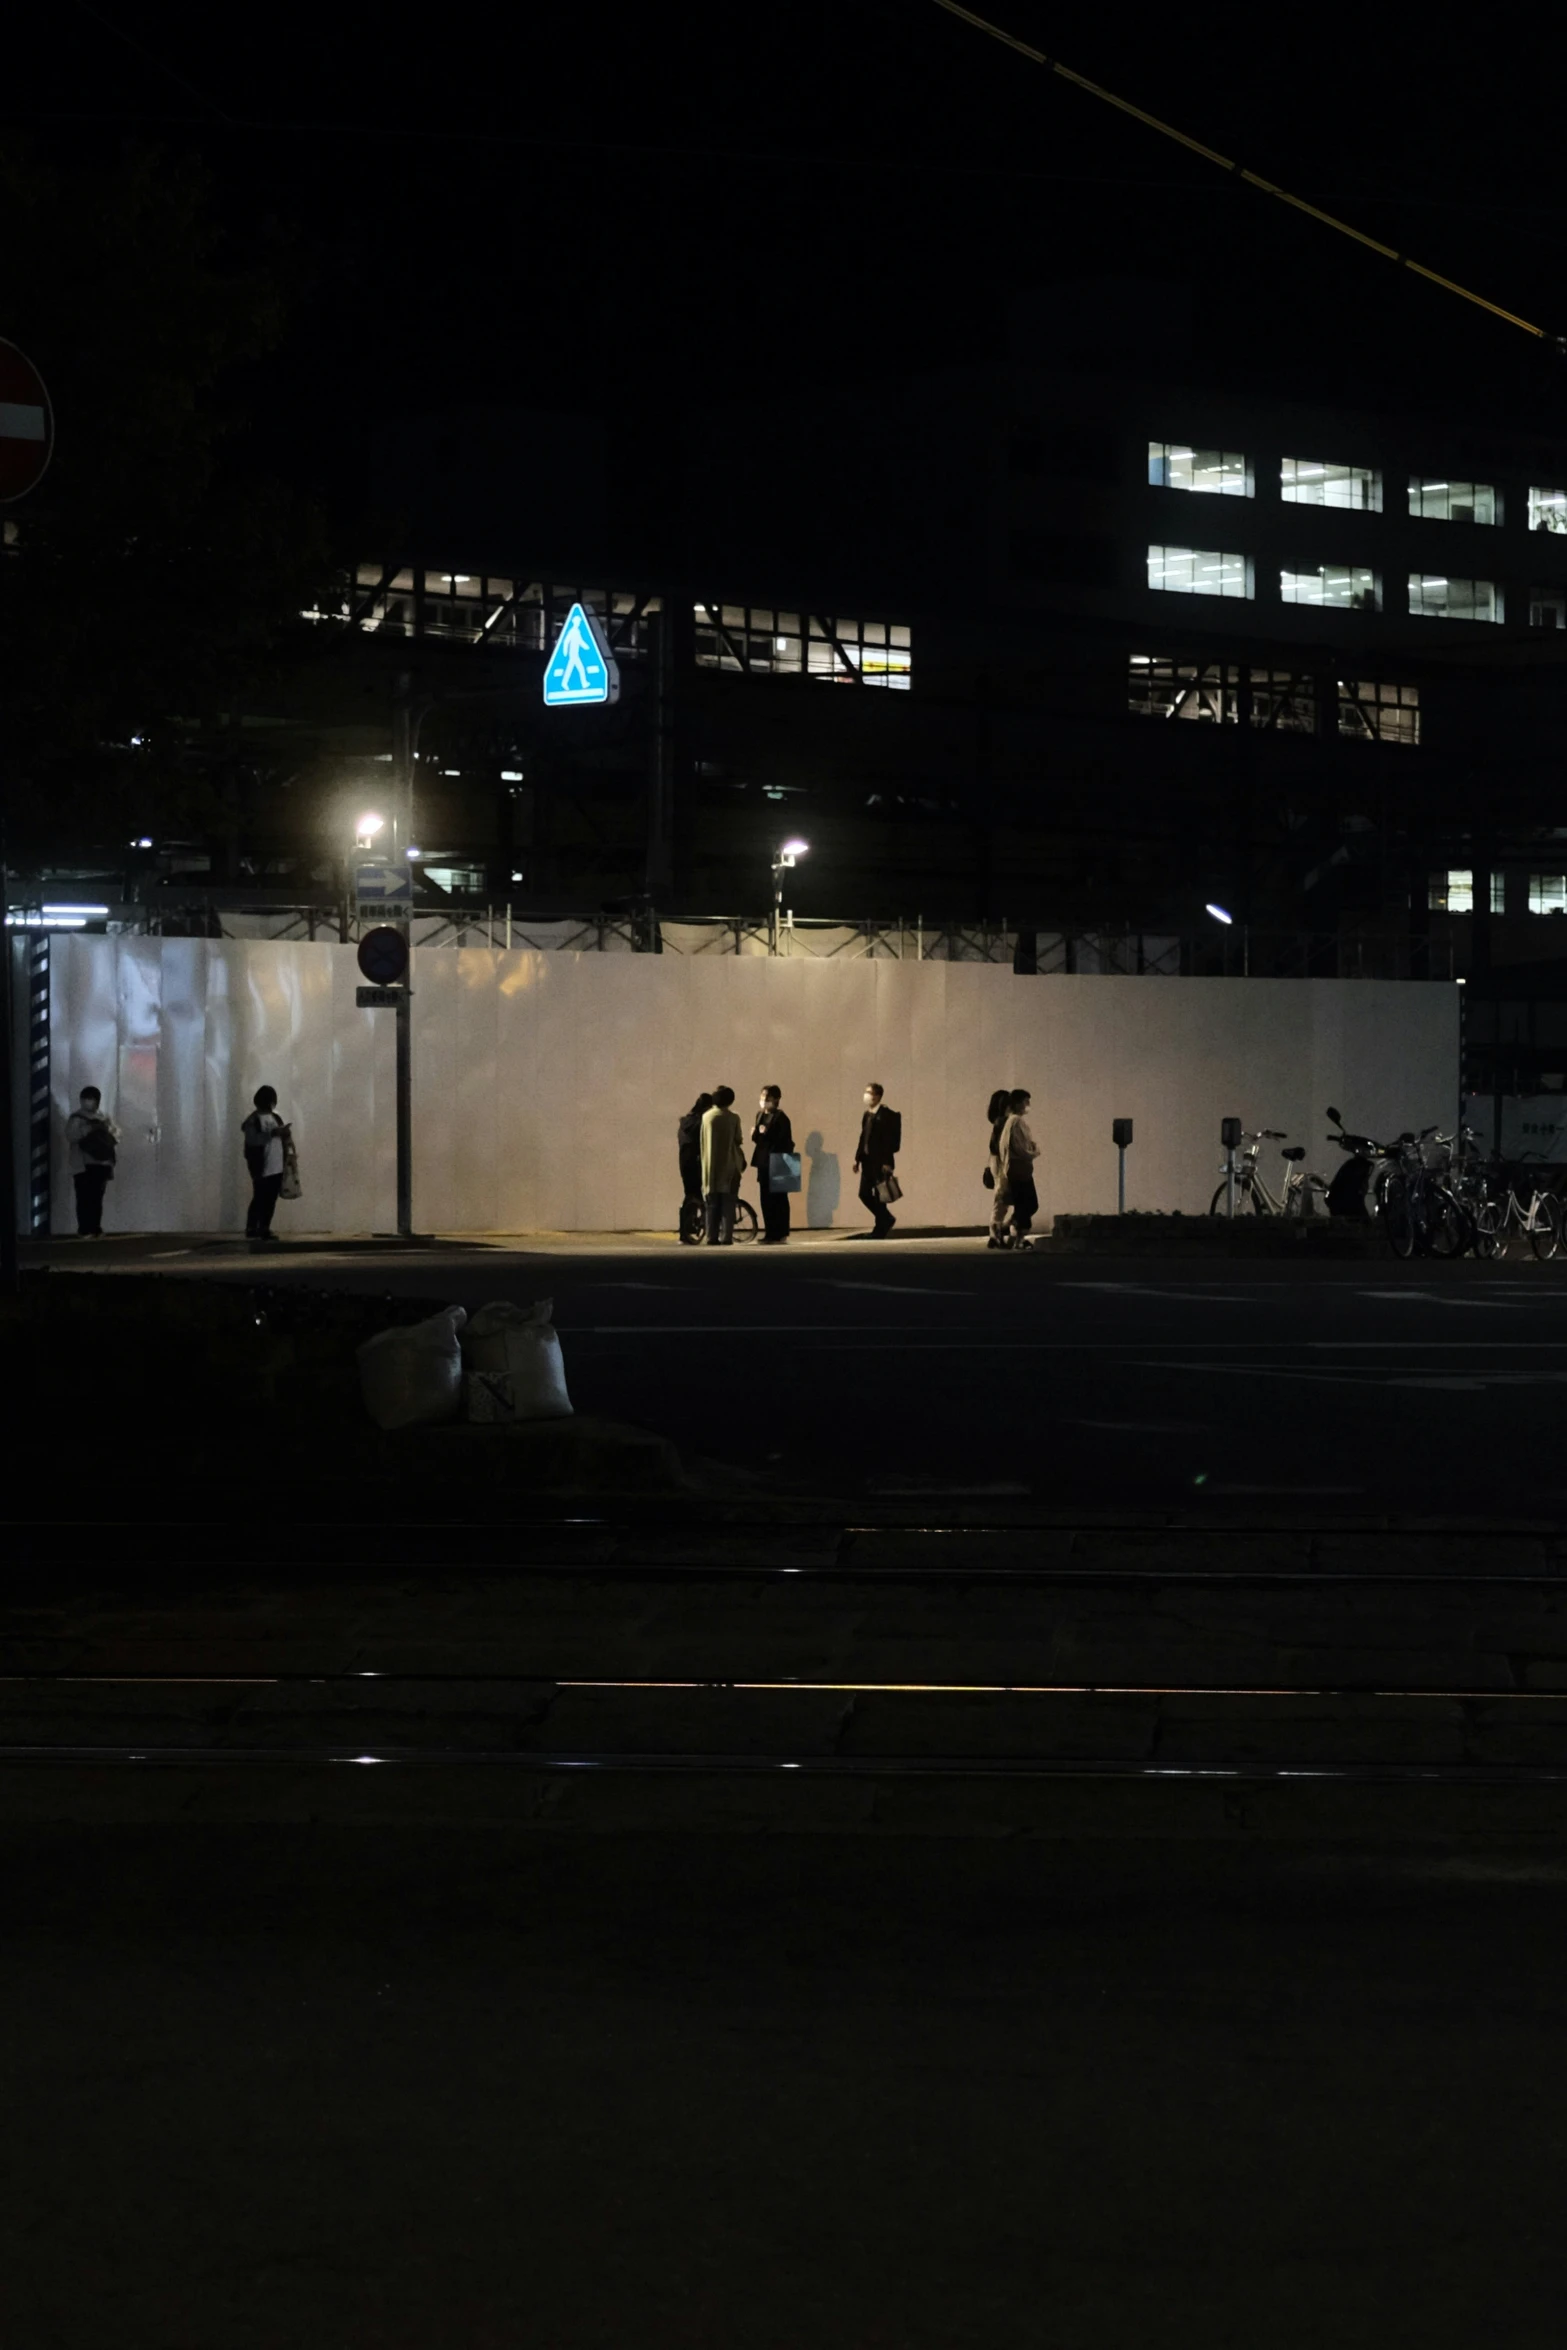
{"x": 772, "y": 1132}
{"x": 881, "y": 1139}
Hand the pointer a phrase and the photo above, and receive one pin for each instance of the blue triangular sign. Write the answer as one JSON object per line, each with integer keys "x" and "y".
{"x": 582, "y": 668}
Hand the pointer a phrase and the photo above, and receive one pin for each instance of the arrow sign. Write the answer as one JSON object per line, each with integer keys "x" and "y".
{"x": 582, "y": 669}
{"x": 26, "y": 425}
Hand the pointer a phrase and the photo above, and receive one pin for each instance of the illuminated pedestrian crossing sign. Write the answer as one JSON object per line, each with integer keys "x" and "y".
{"x": 582, "y": 668}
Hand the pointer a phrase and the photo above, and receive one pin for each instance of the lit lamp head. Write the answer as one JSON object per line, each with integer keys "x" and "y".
{"x": 786, "y": 857}
{"x": 367, "y": 828}
{"x": 1219, "y": 915}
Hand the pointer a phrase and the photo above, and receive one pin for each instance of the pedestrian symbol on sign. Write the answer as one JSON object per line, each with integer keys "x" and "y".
{"x": 582, "y": 668}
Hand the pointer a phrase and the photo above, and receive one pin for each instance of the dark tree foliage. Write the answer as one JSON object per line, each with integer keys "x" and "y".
{"x": 148, "y": 577}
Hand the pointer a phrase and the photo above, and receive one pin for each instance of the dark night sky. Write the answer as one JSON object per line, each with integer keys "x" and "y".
{"x": 571, "y": 206}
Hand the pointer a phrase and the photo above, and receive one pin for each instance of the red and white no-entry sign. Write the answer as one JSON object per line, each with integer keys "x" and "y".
{"x": 26, "y": 425}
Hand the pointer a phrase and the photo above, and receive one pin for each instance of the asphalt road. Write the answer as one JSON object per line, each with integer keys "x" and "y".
{"x": 931, "y": 1368}
{"x": 393, "y": 2089}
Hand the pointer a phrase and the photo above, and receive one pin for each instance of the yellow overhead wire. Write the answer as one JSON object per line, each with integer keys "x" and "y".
{"x": 1253, "y": 179}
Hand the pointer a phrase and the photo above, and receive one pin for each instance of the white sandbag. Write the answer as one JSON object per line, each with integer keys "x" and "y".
{"x": 514, "y": 1364}
{"x": 413, "y": 1376}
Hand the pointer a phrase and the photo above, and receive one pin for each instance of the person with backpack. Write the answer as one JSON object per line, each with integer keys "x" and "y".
{"x": 267, "y": 1139}
{"x": 93, "y": 1143}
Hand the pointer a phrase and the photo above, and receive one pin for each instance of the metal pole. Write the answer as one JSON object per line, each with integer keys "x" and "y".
{"x": 1120, "y": 1202}
{"x": 1229, "y": 1178}
{"x": 403, "y": 785}
{"x": 661, "y": 758}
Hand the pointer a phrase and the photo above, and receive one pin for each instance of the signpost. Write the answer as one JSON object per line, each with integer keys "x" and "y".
{"x": 1230, "y": 1132}
{"x": 26, "y": 425}
{"x": 26, "y": 446}
{"x": 582, "y": 670}
{"x": 1121, "y": 1136}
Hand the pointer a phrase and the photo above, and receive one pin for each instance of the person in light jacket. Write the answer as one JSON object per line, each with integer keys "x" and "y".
{"x": 92, "y": 1141}
{"x": 723, "y": 1164}
{"x": 266, "y": 1137}
{"x": 1016, "y": 1153}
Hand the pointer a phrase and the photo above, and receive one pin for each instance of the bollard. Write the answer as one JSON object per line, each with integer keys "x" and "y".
{"x": 1230, "y": 1132}
{"x": 1121, "y": 1135}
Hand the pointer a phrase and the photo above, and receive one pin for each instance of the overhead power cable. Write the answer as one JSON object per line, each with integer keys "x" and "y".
{"x": 1226, "y": 163}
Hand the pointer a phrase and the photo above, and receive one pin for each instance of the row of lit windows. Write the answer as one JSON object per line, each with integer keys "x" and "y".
{"x": 1278, "y": 701}
{"x": 1312, "y": 481}
{"x": 1453, "y": 893}
{"x": 758, "y": 642}
{"x": 1206, "y": 571}
{"x": 528, "y": 616}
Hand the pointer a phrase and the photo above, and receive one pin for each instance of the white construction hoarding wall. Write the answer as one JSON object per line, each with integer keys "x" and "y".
{"x": 547, "y": 1085}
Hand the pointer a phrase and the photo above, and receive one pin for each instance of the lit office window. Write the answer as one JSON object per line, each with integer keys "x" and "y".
{"x": 761, "y": 642}
{"x": 1548, "y": 608}
{"x": 1453, "y": 893}
{"x": 1198, "y": 571}
{"x": 1548, "y": 510}
{"x": 1219, "y": 693}
{"x": 523, "y": 615}
{"x": 1311, "y": 481}
{"x": 1548, "y": 893}
{"x": 1339, "y": 585}
{"x": 1454, "y": 501}
{"x": 1222, "y": 473}
{"x": 1207, "y": 692}
{"x": 1282, "y": 702}
{"x": 1454, "y": 599}
{"x": 1378, "y": 713}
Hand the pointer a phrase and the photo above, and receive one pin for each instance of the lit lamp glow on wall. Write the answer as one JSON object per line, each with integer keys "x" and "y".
{"x": 784, "y": 861}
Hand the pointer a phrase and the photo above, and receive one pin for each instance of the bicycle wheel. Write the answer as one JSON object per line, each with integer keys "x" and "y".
{"x": 1545, "y": 1226}
{"x": 1447, "y": 1226}
{"x": 745, "y": 1220}
{"x": 1244, "y": 1197}
{"x": 1398, "y": 1217}
{"x": 1488, "y": 1220}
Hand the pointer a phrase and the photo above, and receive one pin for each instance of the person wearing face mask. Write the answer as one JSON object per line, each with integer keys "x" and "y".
{"x": 771, "y": 1135}
{"x": 881, "y": 1139}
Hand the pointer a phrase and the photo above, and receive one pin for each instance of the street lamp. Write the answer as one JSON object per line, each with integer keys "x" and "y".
{"x": 367, "y": 828}
{"x": 784, "y": 861}
{"x": 1219, "y": 914}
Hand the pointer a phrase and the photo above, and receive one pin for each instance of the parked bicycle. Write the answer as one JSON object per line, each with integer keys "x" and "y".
{"x": 1422, "y": 1214}
{"x": 1503, "y": 1210}
{"x": 1300, "y": 1193}
{"x": 693, "y": 1220}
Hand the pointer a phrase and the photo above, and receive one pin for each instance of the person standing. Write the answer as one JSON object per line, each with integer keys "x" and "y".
{"x": 92, "y": 1143}
{"x": 723, "y": 1164}
{"x": 689, "y": 1136}
{"x": 771, "y": 1135}
{"x": 1017, "y": 1152}
{"x": 995, "y": 1168}
{"x": 266, "y": 1136}
{"x": 881, "y": 1139}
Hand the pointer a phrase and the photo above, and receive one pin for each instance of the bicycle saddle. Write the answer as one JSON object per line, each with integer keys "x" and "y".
{"x": 1298, "y": 1152}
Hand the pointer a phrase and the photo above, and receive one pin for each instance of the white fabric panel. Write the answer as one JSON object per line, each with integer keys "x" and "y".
{"x": 518, "y": 1144}
{"x": 547, "y": 1086}
{"x": 309, "y": 1106}
{"x": 475, "y": 1198}
{"x": 436, "y": 984}
{"x": 137, "y": 1190}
